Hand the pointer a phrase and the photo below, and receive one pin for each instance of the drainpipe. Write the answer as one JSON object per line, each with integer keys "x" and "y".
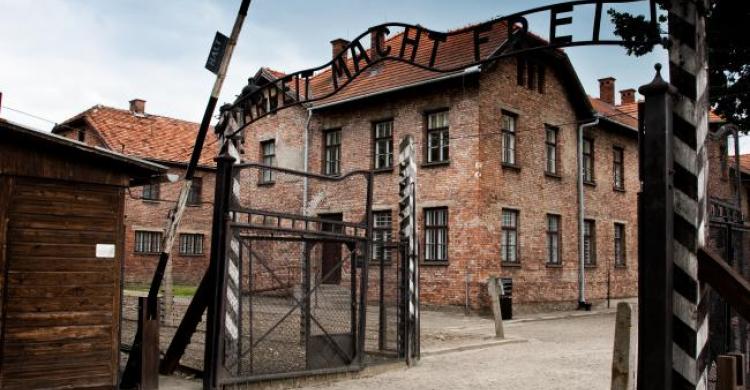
{"x": 581, "y": 212}
{"x": 305, "y": 158}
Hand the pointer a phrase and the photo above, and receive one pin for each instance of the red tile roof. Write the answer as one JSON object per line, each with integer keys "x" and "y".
{"x": 151, "y": 137}
{"x": 627, "y": 114}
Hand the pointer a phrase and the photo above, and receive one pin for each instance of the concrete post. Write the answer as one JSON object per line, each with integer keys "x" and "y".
{"x": 494, "y": 292}
{"x": 726, "y": 373}
{"x": 624, "y": 354}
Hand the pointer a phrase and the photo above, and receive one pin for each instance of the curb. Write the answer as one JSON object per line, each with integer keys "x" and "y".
{"x": 562, "y": 317}
{"x": 471, "y": 347}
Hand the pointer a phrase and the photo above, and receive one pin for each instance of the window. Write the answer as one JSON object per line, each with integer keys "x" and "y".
{"x": 194, "y": 196}
{"x": 332, "y": 153}
{"x": 619, "y": 245}
{"x": 381, "y": 235}
{"x": 530, "y": 74}
{"x": 191, "y": 244}
{"x": 509, "y": 241}
{"x": 551, "y": 142}
{"x": 589, "y": 242}
{"x": 151, "y": 192}
{"x": 268, "y": 156}
{"x": 383, "y": 144}
{"x": 553, "y": 239}
{"x": 436, "y": 234}
{"x": 618, "y": 168}
{"x": 147, "y": 242}
{"x": 588, "y": 160}
{"x": 82, "y": 135}
{"x": 437, "y": 137}
{"x": 509, "y": 138}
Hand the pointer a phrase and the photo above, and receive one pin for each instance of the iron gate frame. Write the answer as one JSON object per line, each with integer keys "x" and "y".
{"x": 229, "y": 210}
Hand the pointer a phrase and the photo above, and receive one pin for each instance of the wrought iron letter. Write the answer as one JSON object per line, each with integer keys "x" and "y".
{"x": 480, "y": 39}
{"x": 413, "y": 42}
{"x": 555, "y": 21}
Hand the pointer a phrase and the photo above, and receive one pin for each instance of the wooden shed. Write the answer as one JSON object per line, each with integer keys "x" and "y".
{"x": 61, "y": 240}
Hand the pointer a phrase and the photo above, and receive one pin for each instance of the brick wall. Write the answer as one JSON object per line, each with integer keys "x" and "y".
{"x": 473, "y": 185}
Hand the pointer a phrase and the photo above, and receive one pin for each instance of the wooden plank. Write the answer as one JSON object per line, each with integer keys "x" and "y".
{"x": 97, "y": 290}
{"x": 63, "y": 209}
{"x": 51, "y": 222}
{"x": 63, "y": 264}
{"x": 61, "y": 193}
{"x": 58, "y": 278}
{"x": 60, "y": 236}
{"x": 51, "y": 250}
{"x": 91, "y": 382}
{"x": 38, "y": 320}
{"x": 21, "y": 364}
{"x": 732, "y": 287}
{"x": 60, "y": 349}
{"x": 57, "y": 333}
{"x": 60, "y": 304}
{"x": 6, "y": 190}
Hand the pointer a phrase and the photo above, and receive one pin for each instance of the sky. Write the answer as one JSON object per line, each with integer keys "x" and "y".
{"x": 60, "y": 57}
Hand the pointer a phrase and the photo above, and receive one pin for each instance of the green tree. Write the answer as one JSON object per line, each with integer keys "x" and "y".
{"x": 728, "y": 39}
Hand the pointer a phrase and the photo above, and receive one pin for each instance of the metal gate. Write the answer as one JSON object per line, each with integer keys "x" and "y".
{"x": 297, "y": 288}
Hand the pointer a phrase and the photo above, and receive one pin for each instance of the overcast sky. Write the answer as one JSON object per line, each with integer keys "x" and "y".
{"x": 60, "y": 57}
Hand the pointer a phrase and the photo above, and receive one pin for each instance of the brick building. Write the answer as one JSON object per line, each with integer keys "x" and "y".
{"x": 497, "y": 180}
{"x": 169, "y": 142}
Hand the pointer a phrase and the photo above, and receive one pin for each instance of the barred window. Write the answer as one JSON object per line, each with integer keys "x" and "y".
{"x": 509, "y": 138}
{"x": 588, "y": 160}
{"x": 589, "y": 242}
{"x": 436, "y": 234}
{"x": 553, "y": 239}
{"x": 332, "y": 152}
{"x": 438, "y": 137}
{"x": 151, "y": 192}
{"x": 147, "y": 242}
{"x": 383, "y": 144}
{"x": 619, "y": 245}
{"x": 618, "y": 168}
{"x": 551, "y": 144}
{"x": 381, "y": 235}
{"x": 268, "y": 156}
{"x": 509, "y": 240}
{"x": 194, "y": 196}
{"x": 191, "y": 244}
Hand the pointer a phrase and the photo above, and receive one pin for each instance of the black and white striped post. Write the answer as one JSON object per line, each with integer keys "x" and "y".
{"x": 408, "y": 238}
{"x": 688, "y": 68}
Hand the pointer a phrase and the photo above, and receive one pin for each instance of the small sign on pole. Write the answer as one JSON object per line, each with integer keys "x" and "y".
{"x": 216, "y": 55}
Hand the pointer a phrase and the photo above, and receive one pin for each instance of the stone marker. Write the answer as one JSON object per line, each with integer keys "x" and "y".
{"x": 494, "y": 292}
{"x": 625, "y": 349}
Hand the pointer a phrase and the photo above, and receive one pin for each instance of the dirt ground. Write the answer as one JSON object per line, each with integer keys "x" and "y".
{"x": 564, "y": 353}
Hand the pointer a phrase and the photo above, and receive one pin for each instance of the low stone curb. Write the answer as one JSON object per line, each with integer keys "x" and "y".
{"x": 493, "y": 343}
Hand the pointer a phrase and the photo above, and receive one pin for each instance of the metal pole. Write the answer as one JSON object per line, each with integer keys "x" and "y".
{"x": 655, "y": 230}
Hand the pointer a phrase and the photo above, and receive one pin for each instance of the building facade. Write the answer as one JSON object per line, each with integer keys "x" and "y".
{"x": 169, "y": 142}
{"x": 497, "y": 180}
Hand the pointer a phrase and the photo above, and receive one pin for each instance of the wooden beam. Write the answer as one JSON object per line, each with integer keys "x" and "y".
{"x": 732, "y": 287}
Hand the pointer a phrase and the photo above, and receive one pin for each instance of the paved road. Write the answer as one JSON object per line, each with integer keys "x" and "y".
{"x": 569, "y": 353}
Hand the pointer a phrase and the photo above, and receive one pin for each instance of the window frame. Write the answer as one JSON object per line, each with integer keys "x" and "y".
{"x": 267, "y": 175}
{"x": 620, "y": 257}
{"x": 591, "y": 237}
{"x": 152, "y": 238}
{"x": 381, "y": 237}
{"x": 505, "y": 232}
{"x": 590, "y": 156}
{"x": 376, "y": 142}
{"x": 443, "y": 132}
{"x": 554, "y": 145}
{"x": 154, "y": 193}
{"x": 556, "y": 234}
{"x": 437, "y": 228}
{"x": 333, "y": 147}
{"x": 195, "y": 193}
{"x": 509, "y": 134}
{"x": 194, "y": 236}
{"x": 618, "y": 168}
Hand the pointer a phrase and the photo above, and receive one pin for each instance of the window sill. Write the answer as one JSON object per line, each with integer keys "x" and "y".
{"x": 553, "y": 175}
{"x": 191, "y": 255}
{"x": 434, "y": 263}
{"x": 589, "y": 183}
{"x": 436, "y": 164}
{"x": 623, "y": 266}
{"x": 149, "y": 254}
{"x": 550, "y": 265}
{"x": 510, "y": 265}
{"x": 616, "y": 189}
{"x": 193, "y": 205}
{"x": 383, "y": 170}
{"x": 589, "y": 266}
{"x": 150, "y": 201}
{"x": 266, "y": 183}
{"x": 512, "y": 167}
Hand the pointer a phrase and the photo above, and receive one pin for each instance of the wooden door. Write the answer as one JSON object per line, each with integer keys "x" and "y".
{"x": 331, "y": 253}
{"x": 62, "y": 308}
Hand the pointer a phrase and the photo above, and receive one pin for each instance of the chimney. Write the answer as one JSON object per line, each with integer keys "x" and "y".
{"x": 138, "y": 106}
{"x": 377, "y": 39}
{"x": 339, "y": 45}
{"x": 627, "y": 96}
{"x": 607, "y": 90}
